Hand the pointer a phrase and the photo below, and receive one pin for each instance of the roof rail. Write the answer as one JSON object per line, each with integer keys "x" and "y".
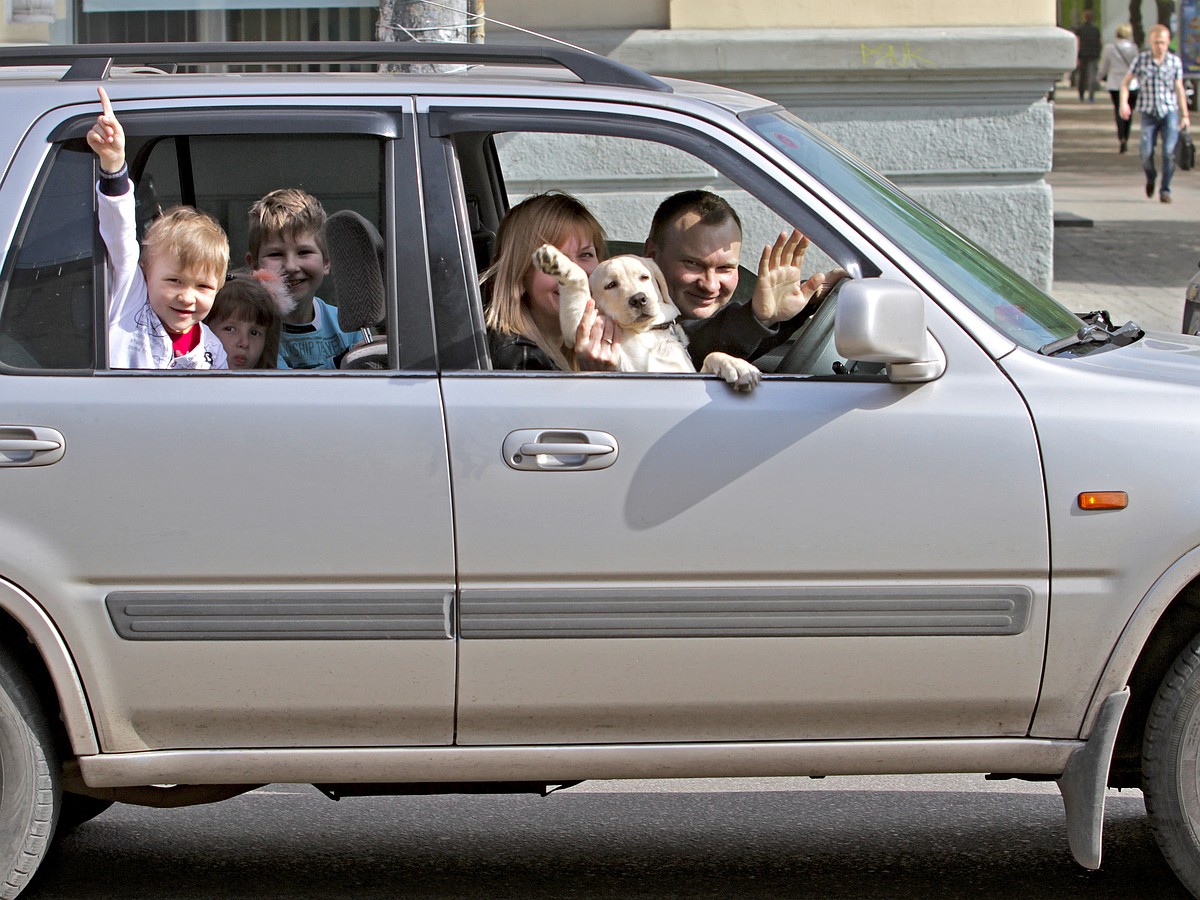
{"x": 93, "y": 61}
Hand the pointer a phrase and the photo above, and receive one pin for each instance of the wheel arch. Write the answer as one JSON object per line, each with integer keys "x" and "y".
{"x": 31, "y": 635}
{"x": 1162, "y": 625}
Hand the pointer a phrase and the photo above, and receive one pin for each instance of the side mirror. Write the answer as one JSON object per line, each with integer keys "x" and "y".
{"x": 881, "y": 320}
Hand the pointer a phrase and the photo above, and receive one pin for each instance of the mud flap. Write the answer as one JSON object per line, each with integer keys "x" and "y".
{"x": 1084, "y": 783}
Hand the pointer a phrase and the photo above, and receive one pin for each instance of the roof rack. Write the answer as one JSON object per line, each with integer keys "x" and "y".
{"x": 92, "y": 62}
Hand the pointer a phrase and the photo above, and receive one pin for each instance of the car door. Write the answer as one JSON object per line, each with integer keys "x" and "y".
{"x": 259, "y": 559}
{"x": 656, "y": 558}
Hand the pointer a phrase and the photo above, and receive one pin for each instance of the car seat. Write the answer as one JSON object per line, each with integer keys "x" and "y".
{"x": 356, "y": 265}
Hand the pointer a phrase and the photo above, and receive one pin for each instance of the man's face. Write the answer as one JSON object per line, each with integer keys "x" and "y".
{"x": 700, "y": 263}
{"x": 1159, "y": 41}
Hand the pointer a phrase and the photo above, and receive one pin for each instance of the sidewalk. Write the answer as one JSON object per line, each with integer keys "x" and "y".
{"x": 1136, "y": 258}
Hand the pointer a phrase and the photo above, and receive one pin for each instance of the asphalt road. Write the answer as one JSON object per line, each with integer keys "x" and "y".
{"x": 835, "y": 838}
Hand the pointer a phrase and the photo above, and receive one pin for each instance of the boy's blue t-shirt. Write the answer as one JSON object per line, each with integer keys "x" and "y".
{"x": 318, "y": 345}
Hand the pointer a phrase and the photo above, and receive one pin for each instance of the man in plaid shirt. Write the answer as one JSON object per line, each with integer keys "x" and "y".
{"x": 1162, "y": 104}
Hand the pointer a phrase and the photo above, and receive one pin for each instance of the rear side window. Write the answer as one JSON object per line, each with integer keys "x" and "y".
{"x": 52, "y": 290}
{"x": 224, "y": 174}
{"x": 47, "y": 312}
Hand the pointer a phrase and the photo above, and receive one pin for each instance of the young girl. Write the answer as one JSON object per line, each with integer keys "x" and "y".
{"x": 247, "y": 316}
{"x": 522, "y": 301}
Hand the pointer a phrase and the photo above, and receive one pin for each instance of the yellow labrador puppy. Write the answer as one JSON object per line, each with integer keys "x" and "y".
{"x": 632, "y": 292}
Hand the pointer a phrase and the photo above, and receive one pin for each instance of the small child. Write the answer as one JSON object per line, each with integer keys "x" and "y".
{"x": 161, "y": 291}
{"x": 287, "y": 235}
{"x": 247, "y": 316}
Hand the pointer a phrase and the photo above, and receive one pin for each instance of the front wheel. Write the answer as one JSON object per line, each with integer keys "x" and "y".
{"x": 1171, "y": 766}
{"x": 29, "y": 779}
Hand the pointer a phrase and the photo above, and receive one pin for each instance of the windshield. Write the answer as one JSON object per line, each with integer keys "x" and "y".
{"x": 1014, "y": 306}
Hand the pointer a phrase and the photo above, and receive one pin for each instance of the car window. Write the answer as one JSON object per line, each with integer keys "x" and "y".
{"x": 55, "y": 285}
{"x": 621, "y": 180}
{"x": 47, "y": 309}
{"x": 225, "y": 174}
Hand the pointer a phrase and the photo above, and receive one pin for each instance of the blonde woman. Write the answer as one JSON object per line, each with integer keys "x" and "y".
{"x": 1118, "y": 57}
{"x": 522, "y": 301}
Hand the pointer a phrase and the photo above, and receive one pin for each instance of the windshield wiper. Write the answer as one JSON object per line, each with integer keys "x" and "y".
{"x": 1097, "y": 329}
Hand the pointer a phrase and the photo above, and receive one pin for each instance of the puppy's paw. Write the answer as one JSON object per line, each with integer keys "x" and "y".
{"x": 737, "y": 373}
{"x": 550, "y": 259}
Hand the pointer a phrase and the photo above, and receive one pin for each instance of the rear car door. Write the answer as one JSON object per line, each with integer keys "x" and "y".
{"x": 258, "y": 559}
{"x": 830, "y": 557}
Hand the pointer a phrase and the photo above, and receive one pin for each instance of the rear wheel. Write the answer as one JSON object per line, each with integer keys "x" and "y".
{"x": 29, "y": 779}
{"x": 1171, "y": 766}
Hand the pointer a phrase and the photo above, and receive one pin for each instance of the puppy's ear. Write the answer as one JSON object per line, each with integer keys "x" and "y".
{"x": 669, "y": 310}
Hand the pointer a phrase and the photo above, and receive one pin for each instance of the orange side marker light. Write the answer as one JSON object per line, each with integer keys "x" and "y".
{"x": 1103, "y": 500}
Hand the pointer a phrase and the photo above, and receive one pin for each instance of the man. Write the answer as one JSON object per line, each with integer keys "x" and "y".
{"x": 696, "y": 239}
{"x": 1162, "y": 104}
{"x": 1088, "y": 45}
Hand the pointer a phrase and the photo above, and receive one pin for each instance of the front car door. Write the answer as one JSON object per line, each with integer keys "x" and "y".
{"x": 820, "y": 559}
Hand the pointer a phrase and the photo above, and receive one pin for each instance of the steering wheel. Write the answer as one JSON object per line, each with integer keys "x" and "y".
{"x": 813, "y": 351}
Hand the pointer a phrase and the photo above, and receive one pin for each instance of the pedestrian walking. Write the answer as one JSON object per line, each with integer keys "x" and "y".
{"x": 1087, "y": 57}
{"x": 1161, "y": 104}
{"x": 1114, "y": 63}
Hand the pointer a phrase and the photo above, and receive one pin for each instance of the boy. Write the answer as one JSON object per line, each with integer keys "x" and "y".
{"x": 287, "y": 235}
{"x": 161, "y": 291}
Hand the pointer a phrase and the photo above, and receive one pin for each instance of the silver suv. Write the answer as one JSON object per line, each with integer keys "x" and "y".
{"x": 952, "y": 530}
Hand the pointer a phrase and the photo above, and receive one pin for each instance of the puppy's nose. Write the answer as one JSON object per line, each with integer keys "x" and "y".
{"x": 638, "y": 301}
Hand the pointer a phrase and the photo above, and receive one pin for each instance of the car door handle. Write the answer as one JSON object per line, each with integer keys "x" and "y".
{"x": 559, "y": 450}
{"x": 28, "y": 445}
{"x": 567, "y": 449}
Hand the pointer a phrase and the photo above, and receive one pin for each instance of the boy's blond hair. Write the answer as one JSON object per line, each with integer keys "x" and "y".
{"x": 288, "y": 211}
{"x": 195, "y": 238}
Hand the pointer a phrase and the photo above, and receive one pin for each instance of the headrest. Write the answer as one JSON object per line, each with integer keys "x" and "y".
{"x": 356, "y": 265}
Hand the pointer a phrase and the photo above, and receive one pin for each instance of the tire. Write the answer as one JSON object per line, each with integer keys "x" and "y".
{"x": 75, "y": 809}
{"x": 1171, "y": 766}
{"x": 29, "y": 780}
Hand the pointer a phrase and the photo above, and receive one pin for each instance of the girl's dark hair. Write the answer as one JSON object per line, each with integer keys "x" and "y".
{"x": 246, "y": 299}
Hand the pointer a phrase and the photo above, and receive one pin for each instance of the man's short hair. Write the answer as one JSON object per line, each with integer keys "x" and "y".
{"x": 1157, "y": 29}
{"x": 193, "y": 237}
{"x": 288, "y": 212}
{"x": 712, "y": 209}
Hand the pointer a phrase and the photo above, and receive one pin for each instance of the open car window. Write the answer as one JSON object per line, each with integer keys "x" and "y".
{"x": 621, "y": 179}
{"x": 52, "y": 313}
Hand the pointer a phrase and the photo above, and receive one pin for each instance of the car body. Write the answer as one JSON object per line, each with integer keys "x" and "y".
{"x": 947, "y": 533}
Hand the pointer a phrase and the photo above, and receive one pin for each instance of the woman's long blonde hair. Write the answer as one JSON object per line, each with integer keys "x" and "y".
{"x": 550, "y": 218}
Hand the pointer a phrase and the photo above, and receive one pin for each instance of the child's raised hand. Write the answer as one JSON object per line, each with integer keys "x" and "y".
{"x": 107, "y": 137}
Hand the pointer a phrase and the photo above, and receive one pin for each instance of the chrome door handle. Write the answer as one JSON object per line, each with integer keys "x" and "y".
{"x": 567, "y": 449}
{"x": 30, "y": 445}
{"x": 559, "y": 450}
